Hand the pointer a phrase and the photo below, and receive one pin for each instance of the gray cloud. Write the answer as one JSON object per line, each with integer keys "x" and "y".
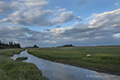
{"x": 25, "y": 36}
{"x": 82, "y": 2}
{"x": 4, "y": 7}
{"x": 86, "y": 37}
{"x": 64, "y": 17}
{"x": 58, "y": 26}
{"x": 47, "y": 29}
{"x": 14, "y": 32}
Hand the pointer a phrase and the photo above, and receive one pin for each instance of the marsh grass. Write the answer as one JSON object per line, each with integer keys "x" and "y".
{"x": 17, "y": 70}
{"x": 105, "y": 59}
{"x": 10, "y": 52}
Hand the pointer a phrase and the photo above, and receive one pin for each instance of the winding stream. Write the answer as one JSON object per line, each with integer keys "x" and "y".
{"x": 59, "y": 71}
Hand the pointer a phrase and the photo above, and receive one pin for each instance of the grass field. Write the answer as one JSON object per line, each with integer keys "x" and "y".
{"x": 17, "y": 70}
{"x": 103, "y": 59}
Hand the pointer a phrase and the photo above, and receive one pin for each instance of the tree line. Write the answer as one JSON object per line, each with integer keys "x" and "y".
{"x": 67, "y": 45}
{"x": 35, "y": 46}
{"x": 9, "y": 45}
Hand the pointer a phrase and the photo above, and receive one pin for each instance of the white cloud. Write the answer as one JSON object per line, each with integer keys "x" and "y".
{"x": 64, "y": 17}
{"x": 35, "y": 3}
{"x": 61, "y": 10}
{"x": 106, "y": 19}
{"x": 92, "y": 16}
{"x": 117, "y": 35}
{"x": 29, "y": 12}
{"x": 116, "y": 4}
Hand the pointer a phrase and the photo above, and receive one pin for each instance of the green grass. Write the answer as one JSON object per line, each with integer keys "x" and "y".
{"x": 10, "y": 52}
{"x": 17, "y": 70}
{"x": 105, "y": 59}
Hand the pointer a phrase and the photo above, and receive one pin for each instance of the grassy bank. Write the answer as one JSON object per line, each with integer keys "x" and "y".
{"x": 104, "y": 59}
{"x": 17, "y": 70}
{"x": 10, "y": 52}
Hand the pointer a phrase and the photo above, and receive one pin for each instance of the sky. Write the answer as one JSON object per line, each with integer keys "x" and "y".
{"x": 51, "y": 23}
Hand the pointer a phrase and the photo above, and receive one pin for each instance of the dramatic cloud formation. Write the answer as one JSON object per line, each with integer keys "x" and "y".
{"x": 102, "y": 28}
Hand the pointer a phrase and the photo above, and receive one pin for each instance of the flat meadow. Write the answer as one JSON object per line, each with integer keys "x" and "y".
{"x": 103, "y": 58}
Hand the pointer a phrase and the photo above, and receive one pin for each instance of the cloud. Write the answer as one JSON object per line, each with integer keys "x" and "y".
{"x": 4, "y": 7}
{"x": 82, "y": 2}
{"x": 92, "y": 16}
{"x": 36, "y": 13}
{"x": 35, "y": 3}
{"x": 116, "y": 4}
{"x": 47, "y": 29}
{"x": 106, "y": 23}
{"x": 64, "y": 17}
{"x": 106, "y": 19}
{"x": 58, "y": 26}
{"x": 27, "y": 37}
{"x": 104, "y": 29}
{"x": 29, "y": 12}
{"x": 14, "y": 32}
{"x": 21, "y": 35}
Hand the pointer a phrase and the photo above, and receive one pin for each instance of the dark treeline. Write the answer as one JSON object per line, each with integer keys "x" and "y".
{"x": 67, "y": 45}
{"x": 35, "y": 46}
{"x": 10, "y": 45}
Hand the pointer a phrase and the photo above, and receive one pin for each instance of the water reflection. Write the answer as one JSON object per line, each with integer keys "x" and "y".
{"x": 58, "y": 71}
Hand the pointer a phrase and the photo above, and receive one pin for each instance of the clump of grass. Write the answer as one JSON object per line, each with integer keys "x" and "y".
{"x": 21, "y": 58}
